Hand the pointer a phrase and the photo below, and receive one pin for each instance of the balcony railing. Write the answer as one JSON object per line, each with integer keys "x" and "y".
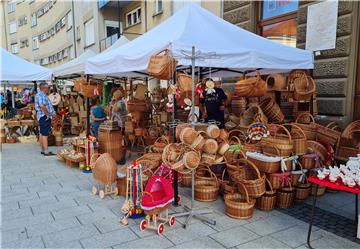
{"x": 107, "y": 42}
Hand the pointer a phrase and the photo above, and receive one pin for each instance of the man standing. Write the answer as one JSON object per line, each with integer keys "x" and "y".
{"x": 213, "y": 104}
{"x": 44, "y": 113}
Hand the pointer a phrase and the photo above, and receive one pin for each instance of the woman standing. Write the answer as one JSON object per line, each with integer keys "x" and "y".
{"x": 97, "y": 115}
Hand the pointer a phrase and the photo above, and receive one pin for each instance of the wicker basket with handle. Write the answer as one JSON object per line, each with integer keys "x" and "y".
{"x": 318, "y": 148}
{"x": 188, "y": 135}
{"x": 282, "y": 141}
{"x": 162, "y": 65}
{"x": 207, "y": 159}
{"x": 303, "y": 190}
{"x": 296, "y": 175}
{"x": 326, "y": 133}
{"x": 251, "y": 115}
{"x": 285, "y": 197}
{"x": 272, "y": 110}
{"x": 267, "y": 201}
{"x": 299, "y": 140}
{"x": 191, "y": 159}
{"x": 223, "y": 147}
{"x": 251, "y": 87}
{"x": 307, "y": 123}
{"x": 304, "y": 87}
{"x": 279, "y": 180}
{"x": 90, "y": 88}
{"x": 211, "y": 146}
{"x": 199, "y": 141}
{"x": 253, "y": 180}
{"x": 239, "y": 206}
{"x": 207, "y": 190}
{"x": 184, "y": 81}
{"x": 266, "y": 164}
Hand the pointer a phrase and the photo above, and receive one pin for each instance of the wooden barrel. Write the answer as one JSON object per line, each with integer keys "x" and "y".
{"x": 110, "y": 141}
{"x": 2, "y": 135}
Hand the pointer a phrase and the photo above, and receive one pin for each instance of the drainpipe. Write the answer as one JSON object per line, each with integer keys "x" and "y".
{"x": 119, "y": 9}
{"x": 145, "y": 2}
{"x": 73, "y": 26}
{"x": 5, "y": 25}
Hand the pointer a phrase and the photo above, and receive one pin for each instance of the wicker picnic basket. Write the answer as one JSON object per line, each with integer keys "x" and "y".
{"x": 239, "y": 206}
{"x": 303, "y": 191}
{"x": 207, "y": 190}
{"x": 162, "y": 65}
{"x": 272, "y": 110}
{"x": 282, "y": 141}
{"x": 285, "y": 197}
{"x": 211, "y": 146}
{"x": 184, "y": 81}
{"x": 266, "y": 164}
{"x": 251, "y": 87}
{"x": 267, "y": 201}
{"x": 299, "y": 140}
{"x": 307, "y": 123}
{"x": 149, "y": 162}
{"x": 304, "y": 87}
{"x": 104, "y": 168}
{"x": 253, "y": 181}
{"x": 328, "y": 134}
{"x": 188, "y": 135}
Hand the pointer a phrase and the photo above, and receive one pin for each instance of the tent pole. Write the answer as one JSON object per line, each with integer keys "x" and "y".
{"x": 87, "y": 112}
{"x": 13, "y": 97}
{"x": 175, "y": 173}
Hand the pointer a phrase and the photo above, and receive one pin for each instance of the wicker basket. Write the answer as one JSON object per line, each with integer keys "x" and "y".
{"x": 267, "y": 201}
{"x": 304, "y": 88}
{"x": 303, "y": 191}
{"x": 285, "y": 197}
{"x": 266, "y": 164}
{"x": 327, "y": 134}
{"x": 296, "y": 174}
{"x": 188, "y": 135}
{"x": 252, "y": 115}
{"x": 308, "y": 161}
{"x": 299, "y": 140}
{"x": 307, "y": 123}
{"x": 224, "y": 135}
{"x": 278, "y": 180}
{"x": 88, "y": 89}
{"x": 251, "y": 87}
{"x": 223, "y": 148}
{"x": 228, "y": 186}
{"x": 238, "y": 105}
{"x": 213, "y": 131}
{"x": 199, "y": 141}
{"x": 191, "y": 159}
{"x": 162, "y": 65}
{"x": 282, "y": 141}
{"x": 186, "y": 180}
{"x": 173, "y": 155}
{"x": 207, "y": 190}
{"x": 239, "y": 206}
{"x": 104, "y": 168}
{"x": 275, "y": 82}
{"x": 349, "y": 142}
{"x": 318, "y": 149}
{"x": 321, "y": 190}
{"x": 272, "y": 110}
{"x": 207, "y": 159}
{"x": 210, "y": 146}
{"x": 160, "y": 144}
{"x": 135, "y": 105}
{"x": 184, "y": 81}
{"x": 253, "y": 181}
{"x": 149, "y": 162}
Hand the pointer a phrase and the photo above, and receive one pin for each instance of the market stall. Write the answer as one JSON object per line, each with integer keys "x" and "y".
{"x": 15, "y": 71}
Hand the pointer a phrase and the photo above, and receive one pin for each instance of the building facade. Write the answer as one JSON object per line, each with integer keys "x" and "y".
{"x": 336, "y": 72}
{"x": 53, "y": 32}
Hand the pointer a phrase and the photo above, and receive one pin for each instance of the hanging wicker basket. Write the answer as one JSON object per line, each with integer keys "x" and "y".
{"x": 239, "y": 206}
{"x": 184, "y": 81}
{"x": 162, "y": 65}
{"x": 251, "y": 87}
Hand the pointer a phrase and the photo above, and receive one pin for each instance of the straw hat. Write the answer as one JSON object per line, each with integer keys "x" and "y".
{"x": 118, "y": 94}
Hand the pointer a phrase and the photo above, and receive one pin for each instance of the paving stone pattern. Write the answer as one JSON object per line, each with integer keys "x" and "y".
{"x": 46, "y": 204}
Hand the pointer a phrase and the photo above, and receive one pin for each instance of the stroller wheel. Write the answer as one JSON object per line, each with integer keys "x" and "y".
{"x": 142, "y": 225}
{"x": 94, "y": 190}
{"x": 172, "y": 221}
{"x": 160, "y": 229}
{"x": 102, "y": 194}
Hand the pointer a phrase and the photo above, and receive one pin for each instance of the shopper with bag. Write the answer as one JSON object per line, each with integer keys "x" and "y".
{"x": 44, "y": 113}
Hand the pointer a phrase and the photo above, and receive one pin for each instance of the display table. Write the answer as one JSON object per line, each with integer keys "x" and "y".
{"x": 338, "y": 185}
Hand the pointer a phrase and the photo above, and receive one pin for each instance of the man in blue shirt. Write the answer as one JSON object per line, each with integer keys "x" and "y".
{"x": 44, "y": 113}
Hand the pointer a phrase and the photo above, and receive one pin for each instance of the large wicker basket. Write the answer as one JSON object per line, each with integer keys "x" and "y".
{"x": 184, "y": 81}
{"x": 303, "y": 191}
{"x": 251, "y": 87}
{"x": 327, "y": 134}
{"x": 304, "y": 88}
{"x": 162, "y": 65}
{"x": 272, "y": 110}
{"x": 266, "y": 164}
{"x": 239, "y": 206}
{"x": 299, "y": 140}
{"x": 207, "y": 190}
{"x": 282, "y": 141}
{"x": 253, "y": 181}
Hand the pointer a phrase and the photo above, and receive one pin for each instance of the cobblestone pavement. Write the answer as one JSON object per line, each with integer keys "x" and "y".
{"x": 47, "y": 204}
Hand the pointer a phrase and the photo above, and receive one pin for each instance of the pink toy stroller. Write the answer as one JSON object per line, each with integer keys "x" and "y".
{"x": 156, "y": 199}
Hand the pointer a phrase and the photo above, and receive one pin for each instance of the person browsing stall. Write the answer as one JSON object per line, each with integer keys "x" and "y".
{"x": 212, "y": 104}
{"x": 118, "y": 108}
{"x": 44, "y": 114}
{"x": 97, "y": 115}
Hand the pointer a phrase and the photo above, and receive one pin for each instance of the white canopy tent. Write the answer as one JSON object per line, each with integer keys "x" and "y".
{"x": 77, "y": 65}
{"x": 218, "y": 44}
{"x": 16, "y": 70}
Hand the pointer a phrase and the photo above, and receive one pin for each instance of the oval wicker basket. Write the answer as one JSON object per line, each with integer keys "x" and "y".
{"x": 207, "y": 190}
{"x": 304, "y": 87}
{"x": 207, "y": 159}
{"x": 239, "y": 206}
{"x": 238, "y": 105}
{"x": 308, "y": 161}
{"x": 267, "y": 201}
{"x": 224, "y": 135}
{"x": 282, "y": 141}
{"x": 191, "y": 159}
{"x": 251, "y": 87}
{"x": 223, "y": 148}
{"x": 160, "y": 144}
{"x": 303, "y": 191}
{"x": 266, "y": 166}
{"x": 184, "y": 81}
{"x": 251, "y": 115}
{"x": 278, "y": 180}
{"x": 318, "y": 149}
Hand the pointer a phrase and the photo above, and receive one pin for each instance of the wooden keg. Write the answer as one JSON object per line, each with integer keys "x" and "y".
{"x": 110, "y": 141}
